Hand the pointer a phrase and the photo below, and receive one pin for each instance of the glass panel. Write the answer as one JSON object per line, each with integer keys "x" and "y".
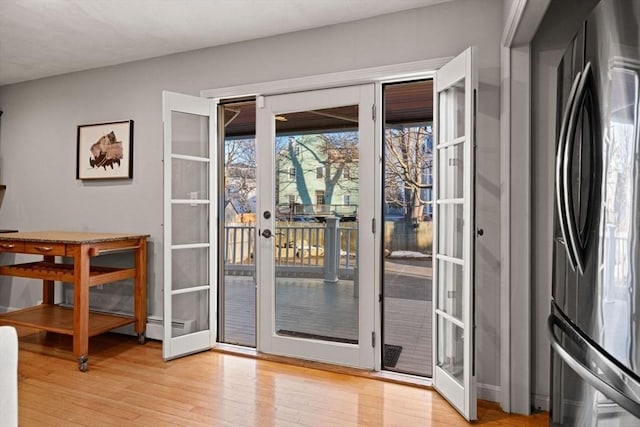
{"x": 451, "y": 172}
{"x": 450, "y": 288}
{"x": 316, "y": 262}
{"x": 450, "y": 230}
{"x": 451, "y": 112}
{"x": 237, "y": 293}
{"x": 190, "y": 313}
{"x": 189, "y": 180}
{"x": 450, "y": 348}
{"x": 189, "y": 268}
{"x": 189, "y": 134}
{"x": 408, "y": 228}
{"x": 190, "y": 223}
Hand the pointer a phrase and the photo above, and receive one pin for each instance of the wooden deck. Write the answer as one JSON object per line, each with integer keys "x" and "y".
{"x": 313, "y": 307}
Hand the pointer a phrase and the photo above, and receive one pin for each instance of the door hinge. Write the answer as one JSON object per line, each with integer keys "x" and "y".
{"x": 373, "y": 112}
{"x": 373, "y": 225}
{"x": 373, "y": 339}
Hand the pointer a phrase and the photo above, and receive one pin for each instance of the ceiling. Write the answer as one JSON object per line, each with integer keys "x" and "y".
{"x": 404, "y": 104}
{"x": 41, "y": 38}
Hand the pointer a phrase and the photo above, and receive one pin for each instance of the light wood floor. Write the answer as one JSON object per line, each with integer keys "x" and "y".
{"x": 129, "y": 384}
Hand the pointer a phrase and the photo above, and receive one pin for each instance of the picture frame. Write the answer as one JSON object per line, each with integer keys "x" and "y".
{"x": 105, "y": 151}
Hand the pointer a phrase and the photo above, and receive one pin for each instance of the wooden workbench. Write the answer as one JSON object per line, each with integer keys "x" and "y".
{"x": 78, "y": 321}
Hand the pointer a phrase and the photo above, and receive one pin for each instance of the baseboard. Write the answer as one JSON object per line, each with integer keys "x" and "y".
{"x": 540, "y": 402}
{"x": 488, "y": 392}
{"x": 5, "y": 309}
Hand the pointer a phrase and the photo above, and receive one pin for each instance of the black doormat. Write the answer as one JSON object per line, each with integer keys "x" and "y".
{"x": 390, "y": 355}
{"x": 306, "y": 335}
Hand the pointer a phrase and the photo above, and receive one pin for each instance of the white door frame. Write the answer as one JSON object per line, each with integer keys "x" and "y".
{"x": 461, "y": 392}
{"x": 359, "y": 355}
{"x": 378, "y": 75}
{"x": 205, "y": 337}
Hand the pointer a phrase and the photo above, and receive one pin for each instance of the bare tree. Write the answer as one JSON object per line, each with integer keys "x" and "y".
{"x": 408, "y": 167}
{"x": 240, "y": 171}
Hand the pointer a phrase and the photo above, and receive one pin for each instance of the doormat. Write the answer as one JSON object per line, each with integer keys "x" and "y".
{"x": 297, "y": 334}
{"x": 390, "y": 355}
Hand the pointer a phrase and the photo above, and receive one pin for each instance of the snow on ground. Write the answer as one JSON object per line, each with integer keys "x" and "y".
{"x": 408, "y": 254}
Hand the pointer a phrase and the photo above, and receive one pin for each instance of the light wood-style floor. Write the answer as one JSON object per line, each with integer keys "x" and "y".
{"x": 129, "y": 384}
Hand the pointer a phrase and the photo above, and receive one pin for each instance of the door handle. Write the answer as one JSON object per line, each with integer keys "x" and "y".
{"x": 571, "y": 224}
{"x": 266, "y": 233}
{"x": 603, "y": 364}
{"x": 560, "y": 182}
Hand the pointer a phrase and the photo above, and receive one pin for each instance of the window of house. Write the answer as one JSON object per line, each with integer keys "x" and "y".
{"x": 319, "y": 172}
{"x": 345, "y": 200}
{"x": 292, "y": 173}
{"x": 319, "y": 197}
{"x": 292, "y": 199}
{"x": 346, "y": 172}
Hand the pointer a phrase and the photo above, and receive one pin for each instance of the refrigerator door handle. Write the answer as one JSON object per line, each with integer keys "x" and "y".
{"x": 596, "y": 379}
{"x": 560, "y": 183}
{"x": 571, "y": 225}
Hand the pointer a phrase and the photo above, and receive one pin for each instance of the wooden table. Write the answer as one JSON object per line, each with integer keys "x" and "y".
{"x": 81, "y": 247}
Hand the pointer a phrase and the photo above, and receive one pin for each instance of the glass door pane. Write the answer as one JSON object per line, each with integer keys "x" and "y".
{"x": 407, "y": 305}
{"x": 237, "y": 284}
{"x": 316, "y": 250}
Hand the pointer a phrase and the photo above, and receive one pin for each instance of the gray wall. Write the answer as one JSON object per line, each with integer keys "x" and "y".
{"x": 561, "y": 22}
{"x": 38, "y": 133}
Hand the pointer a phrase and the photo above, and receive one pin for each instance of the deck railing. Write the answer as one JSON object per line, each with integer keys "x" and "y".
{"x": 298, "y": 249}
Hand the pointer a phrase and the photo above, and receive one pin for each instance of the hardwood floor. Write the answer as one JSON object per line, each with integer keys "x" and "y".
{"x": 129, "y": 384}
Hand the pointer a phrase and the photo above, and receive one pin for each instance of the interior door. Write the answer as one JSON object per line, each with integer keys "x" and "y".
{"x": 190, "y": 248}
{"x": 315, "y": 222}
{"x": 454, "y": 338}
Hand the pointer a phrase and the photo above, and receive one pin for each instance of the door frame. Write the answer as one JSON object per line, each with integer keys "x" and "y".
{"x": 203, "y": 339}
{"x": 416, "y": 70}
{"x": 362, "y": 354}
{"x": 460, "y": 393}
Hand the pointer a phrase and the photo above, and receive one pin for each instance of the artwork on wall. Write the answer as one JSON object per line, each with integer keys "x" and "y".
{"x": 105, "y": 151}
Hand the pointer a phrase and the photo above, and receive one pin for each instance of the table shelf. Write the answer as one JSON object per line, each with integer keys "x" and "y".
{"x": 59, "y": 319}
{"x": 64, "y": 272}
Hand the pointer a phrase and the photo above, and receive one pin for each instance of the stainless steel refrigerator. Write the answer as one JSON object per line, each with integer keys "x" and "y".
{"x": 594, "y": 326}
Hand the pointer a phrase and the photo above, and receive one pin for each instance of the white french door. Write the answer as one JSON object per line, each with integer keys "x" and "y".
{"x": 190, "y": 232}
{"x": 453, "y": 267}
{"x": 315, "y": 213}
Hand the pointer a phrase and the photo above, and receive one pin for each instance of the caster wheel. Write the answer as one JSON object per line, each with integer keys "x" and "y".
{"x": 141, "y": 338}
{"x": 83, "y": 365}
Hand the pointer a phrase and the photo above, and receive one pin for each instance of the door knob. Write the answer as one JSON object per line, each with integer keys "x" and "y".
{"x": 267, "y": 233}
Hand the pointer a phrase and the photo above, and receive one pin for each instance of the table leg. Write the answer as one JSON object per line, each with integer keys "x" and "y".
{"x": 81, "y": 305}
{"x": 140, "y": 293}
{"x": 48, "y": 296}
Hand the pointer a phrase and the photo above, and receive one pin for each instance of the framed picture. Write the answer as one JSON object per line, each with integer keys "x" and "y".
{"x": 105, "y": 151}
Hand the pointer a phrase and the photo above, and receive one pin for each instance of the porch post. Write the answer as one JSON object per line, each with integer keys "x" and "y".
{"x": 331, "y": 249}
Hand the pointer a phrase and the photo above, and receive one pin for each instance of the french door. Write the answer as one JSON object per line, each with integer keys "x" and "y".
{"x": 315, "y": 210}
{"x": 453, "y": 266}
{"x": 190, "y": 233}
{"x": 315, "y": 214}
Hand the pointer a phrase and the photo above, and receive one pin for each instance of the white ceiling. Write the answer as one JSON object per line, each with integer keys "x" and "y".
{"x": 40, "y": 38}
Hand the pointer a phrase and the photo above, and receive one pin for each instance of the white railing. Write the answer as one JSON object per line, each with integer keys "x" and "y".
{"x": 298, "y": 249}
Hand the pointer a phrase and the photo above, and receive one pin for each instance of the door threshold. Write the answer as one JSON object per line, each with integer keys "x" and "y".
{"x": 392, "y": 377}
